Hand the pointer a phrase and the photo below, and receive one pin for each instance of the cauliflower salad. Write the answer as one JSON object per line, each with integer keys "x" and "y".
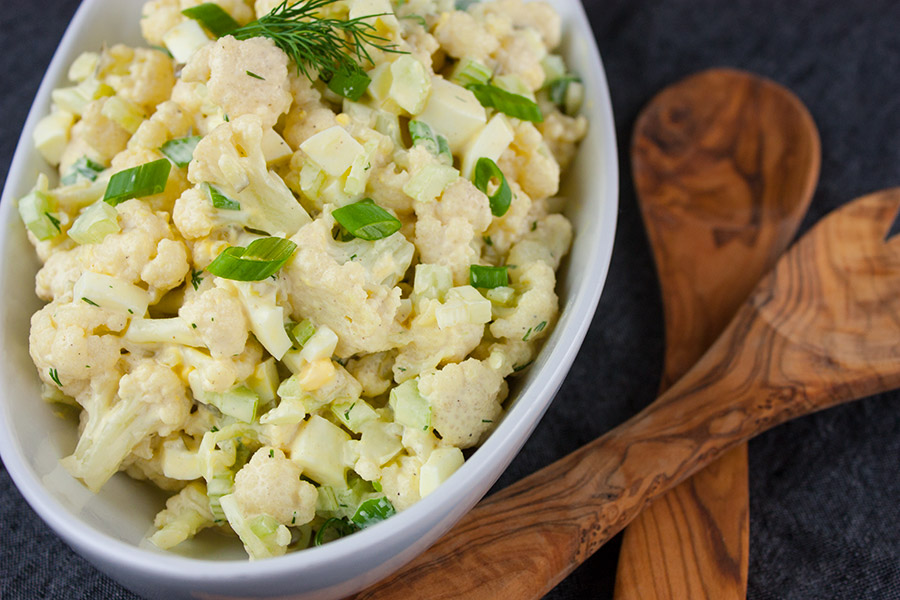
{"x": 292, "y": 251}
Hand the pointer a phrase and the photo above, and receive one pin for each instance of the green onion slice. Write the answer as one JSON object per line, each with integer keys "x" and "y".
{"x": 349, "y": 83}
{"x": 508, "y": 103}
{"x": 180, "y": 150}
{"x": 213, "y": 18}
{"x": 261, "y": 259}
{"x": 422, "y": 133}
{"x": 485, "y": 170}
{"x": 488, "y": 277}
{"x": 340, "y": 526}
{"x": 373, "y": 510}
{"x": 366, "y": 220}
{"x": 220, "y": 200}
{"x": 144, "y": 180}
{"x": 83, "y": 167}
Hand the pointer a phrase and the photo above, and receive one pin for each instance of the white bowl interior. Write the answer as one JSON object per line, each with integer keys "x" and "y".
{"x": 110, "y": 527}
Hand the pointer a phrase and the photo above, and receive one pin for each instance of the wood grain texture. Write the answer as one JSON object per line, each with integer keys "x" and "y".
{"x": 725, "y": 164}
{"x": 820, "y": 330}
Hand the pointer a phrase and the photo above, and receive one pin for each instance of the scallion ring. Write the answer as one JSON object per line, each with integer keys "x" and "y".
{"x": 213, "y": 18}
{"x": 485, "y": 170}
{"x": 143, "y": 180}
{"x": 261, "y": 259}
{"x": 484, "y": 277}
{"x": 508, "y": 103}
{"x": 366, "y": 220}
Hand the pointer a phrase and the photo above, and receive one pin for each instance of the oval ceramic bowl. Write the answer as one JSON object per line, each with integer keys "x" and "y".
{"x": 110, "y": 528}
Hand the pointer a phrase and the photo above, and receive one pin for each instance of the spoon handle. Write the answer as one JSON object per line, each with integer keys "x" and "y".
{"x": 524, "y": 539}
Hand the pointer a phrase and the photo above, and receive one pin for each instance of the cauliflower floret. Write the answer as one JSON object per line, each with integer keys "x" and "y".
{"x": 308, "y": 114}
{"x": 186, "y": 513}
{"x": 448, "y": 230}
{"x": 562, "y": 134}
{"x": 221, "y": 374}
{"x": 385, "y": 187}
{"x": 170, "y": 121}
{"x": 539, "y": 16}
{"x": 465, "y": 400}
{"x": 536, "y": 306}
{"x": 548, "y": 242}
{"x": 431, "y": 346}
{"x": 330, "y": 286}
{"x": 231, "y": 157}
{"x": 218, "y": 317}
{"x": 168, "y": 268}
{"x": 225, "y": 68}
{"x": 460, "y": 35}
{"x": 57, "y": 277}
{"x": 142, "y": 75}
{"x": 130, "y": 254}
{"x": 70, "y": 342}
{"x": 373, "y": 372}
{"x": 270, "y": 484}
{"x": 400, "y": 481}
{"x": 152, "y": 400}
{"x": 521, "y": 56}
{"x": 104, "y": 135}
{"x": 528, "y": 160}
{"x": 523, "y": 212}
{"x": 195, "y": 216}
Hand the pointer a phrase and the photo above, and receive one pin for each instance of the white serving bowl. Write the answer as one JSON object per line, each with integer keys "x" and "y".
{"x": 110, "y": 528}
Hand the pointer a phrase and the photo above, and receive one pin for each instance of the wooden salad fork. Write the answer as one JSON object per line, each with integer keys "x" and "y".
{"x": 820, "y": 330}
{"x": 725, "y": 164}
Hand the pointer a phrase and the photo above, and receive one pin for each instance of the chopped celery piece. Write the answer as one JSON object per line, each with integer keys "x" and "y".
{"x": 318, "y": 449}
{"x": 354, "y": 414}
{"x": 464, "y": 304}
{"x": 96, "y": 222}
{"x": 430, "y": 181}
{"x": 469, "y": 70}
{"x": 514, "y": 85}
{"x": 125, "y": 113}
{"x": 239, "y": 402}
{"x": 37, "y": 211}
{"x": 184, "y": 39}
{"x": 411, "y": 409}
{"x": 301, "y": 332}
{"x": 432, "y": 281}
{"x": 554, "y": 67}
{"x": 410, "y": 84}
{"x": 83, "y": 66}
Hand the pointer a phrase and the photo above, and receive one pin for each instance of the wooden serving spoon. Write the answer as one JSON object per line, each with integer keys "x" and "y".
{"x": 821, "y": 329}
{"x": 725, "y": 164}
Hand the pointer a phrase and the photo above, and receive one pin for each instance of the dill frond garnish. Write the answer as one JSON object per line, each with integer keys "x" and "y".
{"x": 317, "y": 45}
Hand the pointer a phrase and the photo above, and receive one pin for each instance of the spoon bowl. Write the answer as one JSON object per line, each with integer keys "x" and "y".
{"x": 725, "y": 164}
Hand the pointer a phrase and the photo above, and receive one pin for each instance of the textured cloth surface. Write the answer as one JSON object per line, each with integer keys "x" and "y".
{"x": 825, "y": 491}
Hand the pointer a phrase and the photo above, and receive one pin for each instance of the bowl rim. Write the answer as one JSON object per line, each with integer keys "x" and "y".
{"x": 517, "y": 424}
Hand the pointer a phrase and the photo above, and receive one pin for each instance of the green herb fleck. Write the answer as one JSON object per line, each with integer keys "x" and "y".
{"x": 255, "y": 76}
{"x": 540, "y": 326}
{"x": 271, "y": 453}
{"x": 487, "y": 240}
{"x": 518, "y": 368}
{"x": 347, "y": 412}
{"x": 53, "y": 220}
{"x": 91, "y": 302}
{"x": 54, "y": 375}
{"x": 214, "y": 429}
{"x": 196, "y": 280}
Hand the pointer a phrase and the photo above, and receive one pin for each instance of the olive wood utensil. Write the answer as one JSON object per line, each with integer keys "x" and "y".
{"x": 725, "y": 164}
{"x": 821, "y": 329}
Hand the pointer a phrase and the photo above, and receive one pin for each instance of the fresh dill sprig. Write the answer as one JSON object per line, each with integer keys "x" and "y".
{"x": 317, "y": 45}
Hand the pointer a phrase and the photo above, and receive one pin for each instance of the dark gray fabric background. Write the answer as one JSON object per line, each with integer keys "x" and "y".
{"x": 825, "y": 521}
